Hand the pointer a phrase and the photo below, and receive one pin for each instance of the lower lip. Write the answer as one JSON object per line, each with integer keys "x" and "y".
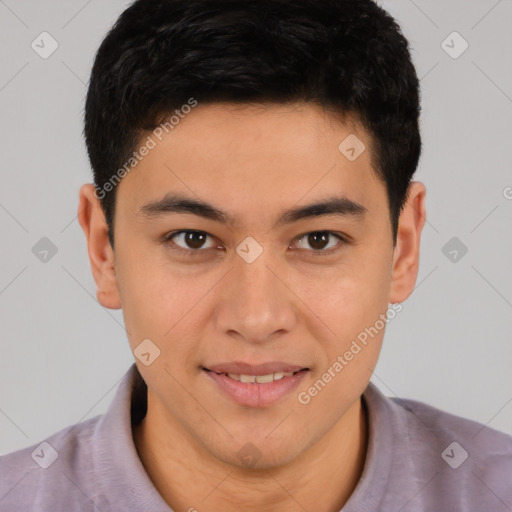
{"x": 253, "y": 394}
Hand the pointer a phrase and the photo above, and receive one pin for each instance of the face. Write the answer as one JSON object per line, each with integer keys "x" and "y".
{"x": 251, "y": 282}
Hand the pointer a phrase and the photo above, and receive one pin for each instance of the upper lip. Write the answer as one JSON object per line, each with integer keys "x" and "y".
{"x": 242, "y": 368}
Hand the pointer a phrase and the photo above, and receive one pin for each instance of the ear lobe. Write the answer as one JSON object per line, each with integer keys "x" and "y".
{"x": 101, "y": 254}
{"x": 407, "y": 251}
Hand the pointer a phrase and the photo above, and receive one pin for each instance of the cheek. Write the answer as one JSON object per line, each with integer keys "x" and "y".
{"x": 354, "y": 299}
{"x": 151, "y": 297}
{"x": 164, "y": 305}
{"x": 355, "y": 296}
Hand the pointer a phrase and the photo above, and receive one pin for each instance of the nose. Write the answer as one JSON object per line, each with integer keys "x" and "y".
{"x": 256, "y": 305}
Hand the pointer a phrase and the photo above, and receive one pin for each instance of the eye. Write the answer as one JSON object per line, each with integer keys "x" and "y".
{"x": 190, "y": 241}
{"x": 319, "y": 241}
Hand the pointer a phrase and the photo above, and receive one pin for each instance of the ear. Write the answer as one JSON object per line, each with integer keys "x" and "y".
{"x": 406, "y": 257}
{"x": 101, "y": 254}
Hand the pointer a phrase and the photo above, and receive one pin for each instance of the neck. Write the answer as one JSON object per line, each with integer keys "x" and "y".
{"x": 322, "y": 478}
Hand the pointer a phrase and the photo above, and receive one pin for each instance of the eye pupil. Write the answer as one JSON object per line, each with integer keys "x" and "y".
{"x": 195, "y": 239}
{"x": 318, "y": 237}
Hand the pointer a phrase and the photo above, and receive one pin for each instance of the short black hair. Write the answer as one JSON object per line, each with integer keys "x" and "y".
{"x": 348, "y": 56}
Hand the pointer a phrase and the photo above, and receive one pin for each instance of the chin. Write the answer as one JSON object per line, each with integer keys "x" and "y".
{"x": 254, "y": 455}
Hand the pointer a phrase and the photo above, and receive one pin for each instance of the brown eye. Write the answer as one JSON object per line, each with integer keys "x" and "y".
{"x": 194, "y": 239}
{"x": 190, "y": 240}
{"x": 319, "y": 241}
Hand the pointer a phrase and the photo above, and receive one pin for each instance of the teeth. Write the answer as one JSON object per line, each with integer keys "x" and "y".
{"x": 265, "y": 378}
{"x": 261, "y": 379}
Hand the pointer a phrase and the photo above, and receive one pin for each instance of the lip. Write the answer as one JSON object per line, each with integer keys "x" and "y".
{"x": 254, "y": 394}
{"x": 254, "y": 369}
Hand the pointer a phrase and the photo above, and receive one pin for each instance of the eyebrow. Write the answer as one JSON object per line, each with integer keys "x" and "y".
{"x": 178, "y": 203}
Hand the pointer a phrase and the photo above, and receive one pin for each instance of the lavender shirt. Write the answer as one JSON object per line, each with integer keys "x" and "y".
{"x": 419, "y": 459}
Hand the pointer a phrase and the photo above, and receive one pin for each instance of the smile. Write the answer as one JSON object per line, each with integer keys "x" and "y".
{"x": 256, "y": 390}
{"x": 260, "y": 379}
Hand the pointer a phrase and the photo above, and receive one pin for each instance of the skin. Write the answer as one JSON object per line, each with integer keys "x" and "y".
{"x": 289, "y": 305}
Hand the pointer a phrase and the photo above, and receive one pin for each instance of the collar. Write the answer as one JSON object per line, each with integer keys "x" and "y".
{"x": 123, "y": 476}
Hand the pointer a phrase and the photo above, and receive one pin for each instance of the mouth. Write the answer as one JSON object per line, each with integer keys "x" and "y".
{"x": 258, "y": 379}
{"x": 255, "y": 386}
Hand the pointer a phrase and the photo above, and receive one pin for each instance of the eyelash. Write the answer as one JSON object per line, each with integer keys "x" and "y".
{"x": 195, "y": 252}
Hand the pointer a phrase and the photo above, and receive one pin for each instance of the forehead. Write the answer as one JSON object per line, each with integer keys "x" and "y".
{"x": 251, "y": 157}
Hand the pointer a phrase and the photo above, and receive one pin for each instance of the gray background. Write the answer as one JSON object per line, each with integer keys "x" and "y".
{"x": 63, "y": 354}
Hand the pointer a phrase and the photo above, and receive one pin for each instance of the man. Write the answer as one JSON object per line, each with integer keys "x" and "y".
{"x": 254, "y": 216}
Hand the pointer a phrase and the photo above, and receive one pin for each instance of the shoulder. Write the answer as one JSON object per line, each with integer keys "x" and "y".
{"x": 35, "y": 477}
{"x": 423, "y": 458}
{"x": 484, "y": 440}
{"x": 85, "y": 466}
{"x": 468, "y": 464}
